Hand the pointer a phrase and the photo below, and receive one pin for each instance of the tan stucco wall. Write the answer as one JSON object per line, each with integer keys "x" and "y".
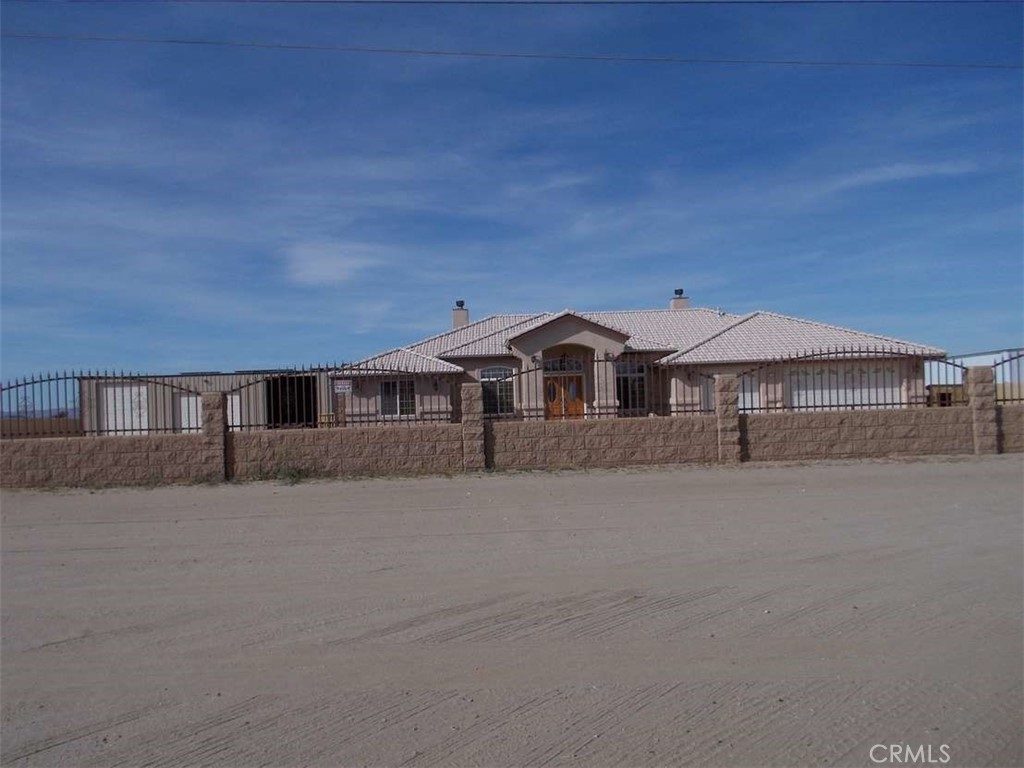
{"x": 856, "y": 434}
{"x": 348, "y": 451}
{"x": 363, "y": 405}
{"x": 569, "y": 330}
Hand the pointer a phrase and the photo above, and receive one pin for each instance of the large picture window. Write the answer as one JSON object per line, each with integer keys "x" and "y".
{"x": 398, "y": 398}
{"x": 499, "y": 397}
{"x": 631, "y": 388}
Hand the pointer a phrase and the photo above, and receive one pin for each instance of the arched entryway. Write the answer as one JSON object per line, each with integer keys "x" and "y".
{"x": 567, "y": 381}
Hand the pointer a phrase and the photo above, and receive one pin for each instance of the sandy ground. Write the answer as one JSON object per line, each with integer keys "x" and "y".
{"x": 772, "y": 615}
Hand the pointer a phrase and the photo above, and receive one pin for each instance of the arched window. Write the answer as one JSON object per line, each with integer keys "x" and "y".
{"x": 499, "y": 397}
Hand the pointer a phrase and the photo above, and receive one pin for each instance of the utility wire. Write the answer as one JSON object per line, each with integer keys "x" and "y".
{"x": 525, "y": 2}
{"x": 508, "y": 54}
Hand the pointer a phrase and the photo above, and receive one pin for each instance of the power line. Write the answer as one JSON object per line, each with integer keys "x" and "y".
{"x": 509, "y": 54}
{"x": 526, "y": 2}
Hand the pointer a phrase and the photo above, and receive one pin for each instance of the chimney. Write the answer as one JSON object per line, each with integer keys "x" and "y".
{"x": 460, "y": 315}
{"x": 679, "y": 301}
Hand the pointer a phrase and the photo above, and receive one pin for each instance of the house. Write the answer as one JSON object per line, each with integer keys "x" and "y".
{"x": 542, "y": 366}
{"x": 654, "y": 362}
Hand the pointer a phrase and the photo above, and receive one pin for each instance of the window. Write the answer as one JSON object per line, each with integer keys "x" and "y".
{"x": 398, "y": 398}
{"x": 631, "y": 389}
{"x": 499, "y": 399}
{"x": 563, "y": 364}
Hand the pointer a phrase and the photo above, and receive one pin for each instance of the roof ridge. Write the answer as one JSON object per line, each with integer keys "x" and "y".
{"x": 392, "y": 350}
{"x": 504, "y": 329}
{"x": 742, "y": 319}
{"x": 376, "y": 364}
{"x": 460, "y": 328}
{"x": 420, "y": 354}
{"x": 551, "y": 317}
{"x": 845, "y": 329}
{"x": 663, "y": 309}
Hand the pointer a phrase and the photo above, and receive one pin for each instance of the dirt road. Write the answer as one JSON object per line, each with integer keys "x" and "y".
{"x": 765, "y": 615}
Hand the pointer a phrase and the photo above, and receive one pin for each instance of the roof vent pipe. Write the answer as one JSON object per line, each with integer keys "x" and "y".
{"x": 460, "y": 315}
{"x": 680, "y": 300}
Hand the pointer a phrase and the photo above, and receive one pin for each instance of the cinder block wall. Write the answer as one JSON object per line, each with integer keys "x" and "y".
{"x": 110, "y": 461}
{"x": 601, "y": 443}
{"x": 728, "y": 436}
{"x": 1011, "y": 428}
{"x": 409, "y": 450}
{"x": 856, "y": 434}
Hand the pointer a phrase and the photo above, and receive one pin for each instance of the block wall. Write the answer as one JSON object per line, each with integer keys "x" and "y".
{"x": 981, "y": 427}
{"x": 1011, "y": 428}
{"x": 345, "y": 451}
{"x": 111, "y": 461}
{"x": 601, "y": 443}
{"x": 857, "y": 434}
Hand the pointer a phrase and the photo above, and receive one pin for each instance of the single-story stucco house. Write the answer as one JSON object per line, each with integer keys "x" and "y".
{"x": 658, "y": 362}
{"x": 538, "y": 366}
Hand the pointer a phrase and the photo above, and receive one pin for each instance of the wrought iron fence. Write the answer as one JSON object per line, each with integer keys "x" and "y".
{"x": 556, "y": 388}
{"x": 340, "y": 395}
{"x": 86, "y": 403}
{"x": 1007, "y": 371}
{"x": 851, "y": 378}
{"x": 75, "y": 404}
{"x": 567, "y": 387}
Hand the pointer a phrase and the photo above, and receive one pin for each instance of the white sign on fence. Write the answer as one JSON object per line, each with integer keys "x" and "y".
{"x": 343, "y": 386}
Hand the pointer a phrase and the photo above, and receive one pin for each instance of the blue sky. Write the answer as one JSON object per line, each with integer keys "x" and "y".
{"x": 170, "y": 208}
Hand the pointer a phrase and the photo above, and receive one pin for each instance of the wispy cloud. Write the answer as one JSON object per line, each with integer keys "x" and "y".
{"x": 893, "y": 173}
{"x": 326, "y": 263}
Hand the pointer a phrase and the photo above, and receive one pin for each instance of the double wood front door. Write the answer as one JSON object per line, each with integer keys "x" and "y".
{"x": 563, "y": 397}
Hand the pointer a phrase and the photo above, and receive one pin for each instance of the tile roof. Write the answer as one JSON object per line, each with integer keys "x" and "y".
{"x": 766, "y": 336}
{"x": 691, "y": 336}
{"x": 483, "y": 338}
{"x": 658, "y": 330}
{"x": 665, "y": 329}
{"x": 400, "y": 360}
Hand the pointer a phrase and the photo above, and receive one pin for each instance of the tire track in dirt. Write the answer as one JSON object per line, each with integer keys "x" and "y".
{"x": 725, "y": 610}
{"x": 993, "y": 735}
{"x": 526, "y": 619}
{"x": 574, "y": 617}
{"x": 580, "y": 732}
{"x": 425, "y": 619}
{"x": 464, "y": 740}
{"x": 921, "y": 612}
{"x": 117, "y": 632}
{"x": 642, "y": 609}
{"x": 33, "y": 748}
{"x": 791, "y": 619}
{"x": 370, "y": 717}
{"x": 183, "y": 745}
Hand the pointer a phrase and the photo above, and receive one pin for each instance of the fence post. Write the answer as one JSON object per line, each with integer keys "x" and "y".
{"x": 727, "y": 413}
{"x": 473, "y": 427}
{"x": 215, "y": 432}
{"x": 981, "y": 397}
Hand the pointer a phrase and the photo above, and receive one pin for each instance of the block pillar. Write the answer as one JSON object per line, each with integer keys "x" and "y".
{"x": 215, "y": 432}
{"x": 981, "y": 399}
{"x": 214, "y": 414}
{"x": 727, "y": 413}
{"x": 473, "y": 427}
